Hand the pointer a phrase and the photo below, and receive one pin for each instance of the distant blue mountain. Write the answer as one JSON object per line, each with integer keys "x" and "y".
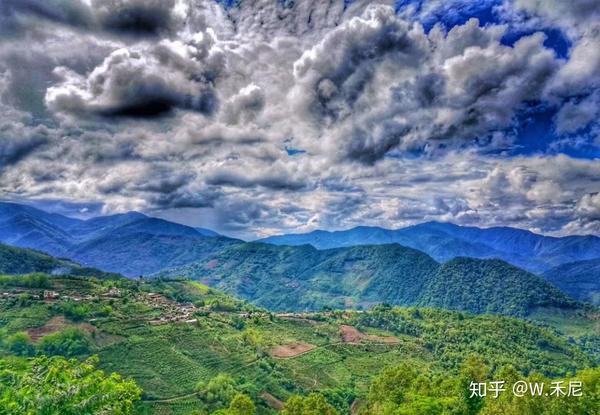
{"x": 28, "y": 227}
{"x": 445, "y": 241}
{"x": 131, "y": 243}
{"x": 579, "y": 279}
{"x": 207, "y": 232}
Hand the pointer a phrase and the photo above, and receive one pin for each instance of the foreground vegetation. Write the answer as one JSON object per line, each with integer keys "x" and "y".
{"x": 58, "y": 386}
{"x": 193, "y": 350}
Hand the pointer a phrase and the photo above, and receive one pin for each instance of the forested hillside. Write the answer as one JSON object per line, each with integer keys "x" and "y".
{"x": 14, "y": 261}
{"x": 489, "y": 286}
{"x": 304, "y": 278}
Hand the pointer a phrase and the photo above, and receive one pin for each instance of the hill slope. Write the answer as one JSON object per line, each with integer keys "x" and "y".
{"x": 183, "y": 364}
{"x": 131, "y": 244}
{"x": 489, "y": 286}
{"x": 15, "y": 261}
{"x": 579, "y": 279}
{"x": 142, "y": 253}
{"x": 445, "y": 241}
{"x": 304, "y": 278}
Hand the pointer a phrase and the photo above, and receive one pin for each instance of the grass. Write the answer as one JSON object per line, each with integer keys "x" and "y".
{"x": 202, "y": 289}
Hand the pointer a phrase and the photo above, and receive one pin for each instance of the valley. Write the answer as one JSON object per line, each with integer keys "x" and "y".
{"x": 175, "y": 337}
{"x": 133, "y": 244}
{"x": 288, "y": 329}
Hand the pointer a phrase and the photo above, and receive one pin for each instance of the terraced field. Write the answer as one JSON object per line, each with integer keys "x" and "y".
{"x": 145, "y": 333}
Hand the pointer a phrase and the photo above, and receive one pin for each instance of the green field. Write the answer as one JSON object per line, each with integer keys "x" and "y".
{"x": 148, "y": 333}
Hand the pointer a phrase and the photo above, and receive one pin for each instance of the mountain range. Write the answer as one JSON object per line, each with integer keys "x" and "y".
{"x": 304, "y": 278}
{"x": 320, "y": 263}
{"x": 445, "y": 241}
{"x": 131, "y": 243}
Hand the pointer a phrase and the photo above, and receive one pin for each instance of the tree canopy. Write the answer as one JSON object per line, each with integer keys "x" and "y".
{"x": 55, "y": 385}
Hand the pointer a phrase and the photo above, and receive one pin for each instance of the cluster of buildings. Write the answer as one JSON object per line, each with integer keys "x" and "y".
{"x": 172, "y": 312}
{"x": 51, "y": 295}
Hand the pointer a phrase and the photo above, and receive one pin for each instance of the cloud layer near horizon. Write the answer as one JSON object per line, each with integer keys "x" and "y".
{"x": 273, "y": 116}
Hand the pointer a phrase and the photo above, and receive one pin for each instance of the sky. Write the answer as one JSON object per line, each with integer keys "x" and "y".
{"x": 260, "y": 117}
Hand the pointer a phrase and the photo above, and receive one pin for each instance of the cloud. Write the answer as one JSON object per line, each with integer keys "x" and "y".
{"x": 183, "y": 105}
{"x": 580, "y": 74}
{"x": 17, "y": 141}
{"x": 576, "y": 114}
{"x": 378, "y": 83}
{"x": 559, "y": 12}
{"x": 144, "y": 81}
{"x": 146, "y": 17}
{"x": 276, "y": 179}
{"x": 129, "y": 17}
{"x": 72, "y": 12}
{"x": 245, "y": 105}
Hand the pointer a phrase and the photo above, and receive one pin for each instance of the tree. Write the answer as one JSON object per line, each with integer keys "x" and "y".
{"x": 313, "y": 404}
{"x": 219, "y": 391}
{"x": 410, "y": 390}
{"x": 20, "y": 344}
{"x": 241, "y": 405}
{"x": 55, "y": 385}
{"x": 532, "y": 404}
{"x": 392, "y": 384}
{"x": 473, "y": 369}
{"x": 69, "y": 342}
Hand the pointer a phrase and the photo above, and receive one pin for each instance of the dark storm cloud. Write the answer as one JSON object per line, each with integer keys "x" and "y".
{"x": 165, "y": 181}
{"x": 144, "y": 81}
{"x": 271, "y": 180}
{"x": 179, "y": 199}
{"x": 242, "y": 213}
{"x": 145, "y": 17}
{"x": 17, "y": 141}
{"x": 353, "y": 54}
{"x": 130, "y": 17}
{"x": 370, "y": 145}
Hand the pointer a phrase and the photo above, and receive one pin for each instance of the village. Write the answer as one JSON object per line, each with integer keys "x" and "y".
{"x": 170, "y": 311}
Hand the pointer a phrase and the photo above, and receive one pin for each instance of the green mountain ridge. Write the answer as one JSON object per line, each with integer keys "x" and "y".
{"x": 304, "y": 278}
{"x": 15, "y": 261}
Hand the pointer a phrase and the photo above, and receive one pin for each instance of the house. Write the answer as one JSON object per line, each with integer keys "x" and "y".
{"x": 51, "y": 295}
{"x": 113, "y": 292}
